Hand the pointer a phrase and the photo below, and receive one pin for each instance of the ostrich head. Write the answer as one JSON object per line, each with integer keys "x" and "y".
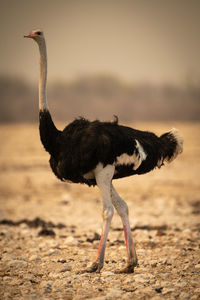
{"x": 36, "y": 35}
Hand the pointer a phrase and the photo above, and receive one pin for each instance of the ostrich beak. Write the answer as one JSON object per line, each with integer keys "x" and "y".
{"x": 27, "y": 36}
{"x": 30, "y": 35}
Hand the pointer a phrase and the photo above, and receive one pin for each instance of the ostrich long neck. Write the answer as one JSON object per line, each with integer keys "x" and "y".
{"x": 43, "y": 77}
{"x": 48, "y": 131}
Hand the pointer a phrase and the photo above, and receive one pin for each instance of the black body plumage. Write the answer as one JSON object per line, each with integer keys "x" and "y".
{"x": 82, "y": 145}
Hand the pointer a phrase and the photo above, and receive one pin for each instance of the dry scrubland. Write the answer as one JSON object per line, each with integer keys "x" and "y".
{"x": 40, "y": 260}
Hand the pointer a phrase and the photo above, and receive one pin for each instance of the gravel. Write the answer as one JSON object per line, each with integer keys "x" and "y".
{"x": 164, "y": 217}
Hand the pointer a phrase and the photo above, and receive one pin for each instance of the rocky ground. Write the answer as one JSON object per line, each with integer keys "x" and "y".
{"x": 50, "y": 230}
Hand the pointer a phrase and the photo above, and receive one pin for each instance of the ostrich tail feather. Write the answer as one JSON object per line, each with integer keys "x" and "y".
{"x": 172, "y": 145}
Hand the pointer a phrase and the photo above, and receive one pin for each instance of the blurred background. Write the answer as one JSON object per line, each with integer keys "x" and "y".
{"x": 140, "y": 60}
{"x": 132, "y": 58}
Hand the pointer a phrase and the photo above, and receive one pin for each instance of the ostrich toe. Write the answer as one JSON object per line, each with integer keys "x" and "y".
{"x": 129, "y": 268}
{"x": 95, "y": 267}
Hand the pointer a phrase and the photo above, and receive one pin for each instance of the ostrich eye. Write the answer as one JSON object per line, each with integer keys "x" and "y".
{"x": 38, "y": 33}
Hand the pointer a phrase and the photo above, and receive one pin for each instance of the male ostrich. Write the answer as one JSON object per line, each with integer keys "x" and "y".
{"x": 97, "y": 152}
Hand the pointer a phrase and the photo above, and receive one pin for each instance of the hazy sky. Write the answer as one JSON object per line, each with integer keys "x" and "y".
{"x": 153, "y": 40}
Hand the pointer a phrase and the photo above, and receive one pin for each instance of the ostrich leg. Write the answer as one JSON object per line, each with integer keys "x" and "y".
{"x": 122, "y": 210}
{"x": 104, "y": 182}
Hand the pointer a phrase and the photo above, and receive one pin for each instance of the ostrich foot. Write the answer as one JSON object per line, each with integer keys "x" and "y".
{"x": 129, "y": 268}
{"x": 95, "y": 267}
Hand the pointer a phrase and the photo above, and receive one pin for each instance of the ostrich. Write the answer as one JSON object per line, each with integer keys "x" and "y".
{"x": 95, "y": 153}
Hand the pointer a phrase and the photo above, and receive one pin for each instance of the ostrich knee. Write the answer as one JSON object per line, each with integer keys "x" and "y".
{"x": 108, "y": 213}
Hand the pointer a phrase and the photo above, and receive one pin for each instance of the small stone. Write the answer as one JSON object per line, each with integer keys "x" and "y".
{"x": 167, "y": 284}
{"x": 18, "y": 263}
{"x": 128, "y": 281}
{"x": 66, "y": 268}
{"x": 121, "y": 247}
{"x": 184, "y": 253}
{"x": 29, "y": 277}
{"x": 187, "y": 231}
{"x": 47, "y": 286}
{"x": 158, "y": 290}
{"x": 53, "y": 244}
{"x": 168, "y": 290}
{"x": 197, "y": 266}
{"x": 163, "y": 261}
{"x": 181, "y": 284}
{"x": 85, "y": 258}
{"x": 157, "y": 297}
{"x": 184, "y": 296}
{"x": 52, "y": 252}
{"x": 186, "y": 267}
{"x": 23, "y": 226}
{"x": 42, "y": 245}
{"x": 107, "y": 273}
{"x": 6, "y": 278}
{"x": 153, "y": 263}
{"x": 141, "y": 278}
{"x": 65, "y": 198}
{"x": 46, "y": 232}
{"x": 96, "y": 298}
{"x": 141, "y": 251}
{"x": 71, "y": 241}
{"x": 194, "y": 283}
{"x": 17, "y": 281}
{"x": 53, "y": 275}
{"x": 82, "y": 252}
{"x": 25, "y": 231}
{"x": 58, "y": 283}
{"x": 7, "y": 295}
{"x": 194, "y": 297}
{"x": 7, "y": 257}
{"x": 147, "y": 290}
{"x": 35, "y": 258}
{"x": 114, "y": 293}
{"x": 62, "y": 261}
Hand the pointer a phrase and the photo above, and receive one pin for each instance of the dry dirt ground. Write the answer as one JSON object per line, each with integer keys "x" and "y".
{"x": 49, "y": 230}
